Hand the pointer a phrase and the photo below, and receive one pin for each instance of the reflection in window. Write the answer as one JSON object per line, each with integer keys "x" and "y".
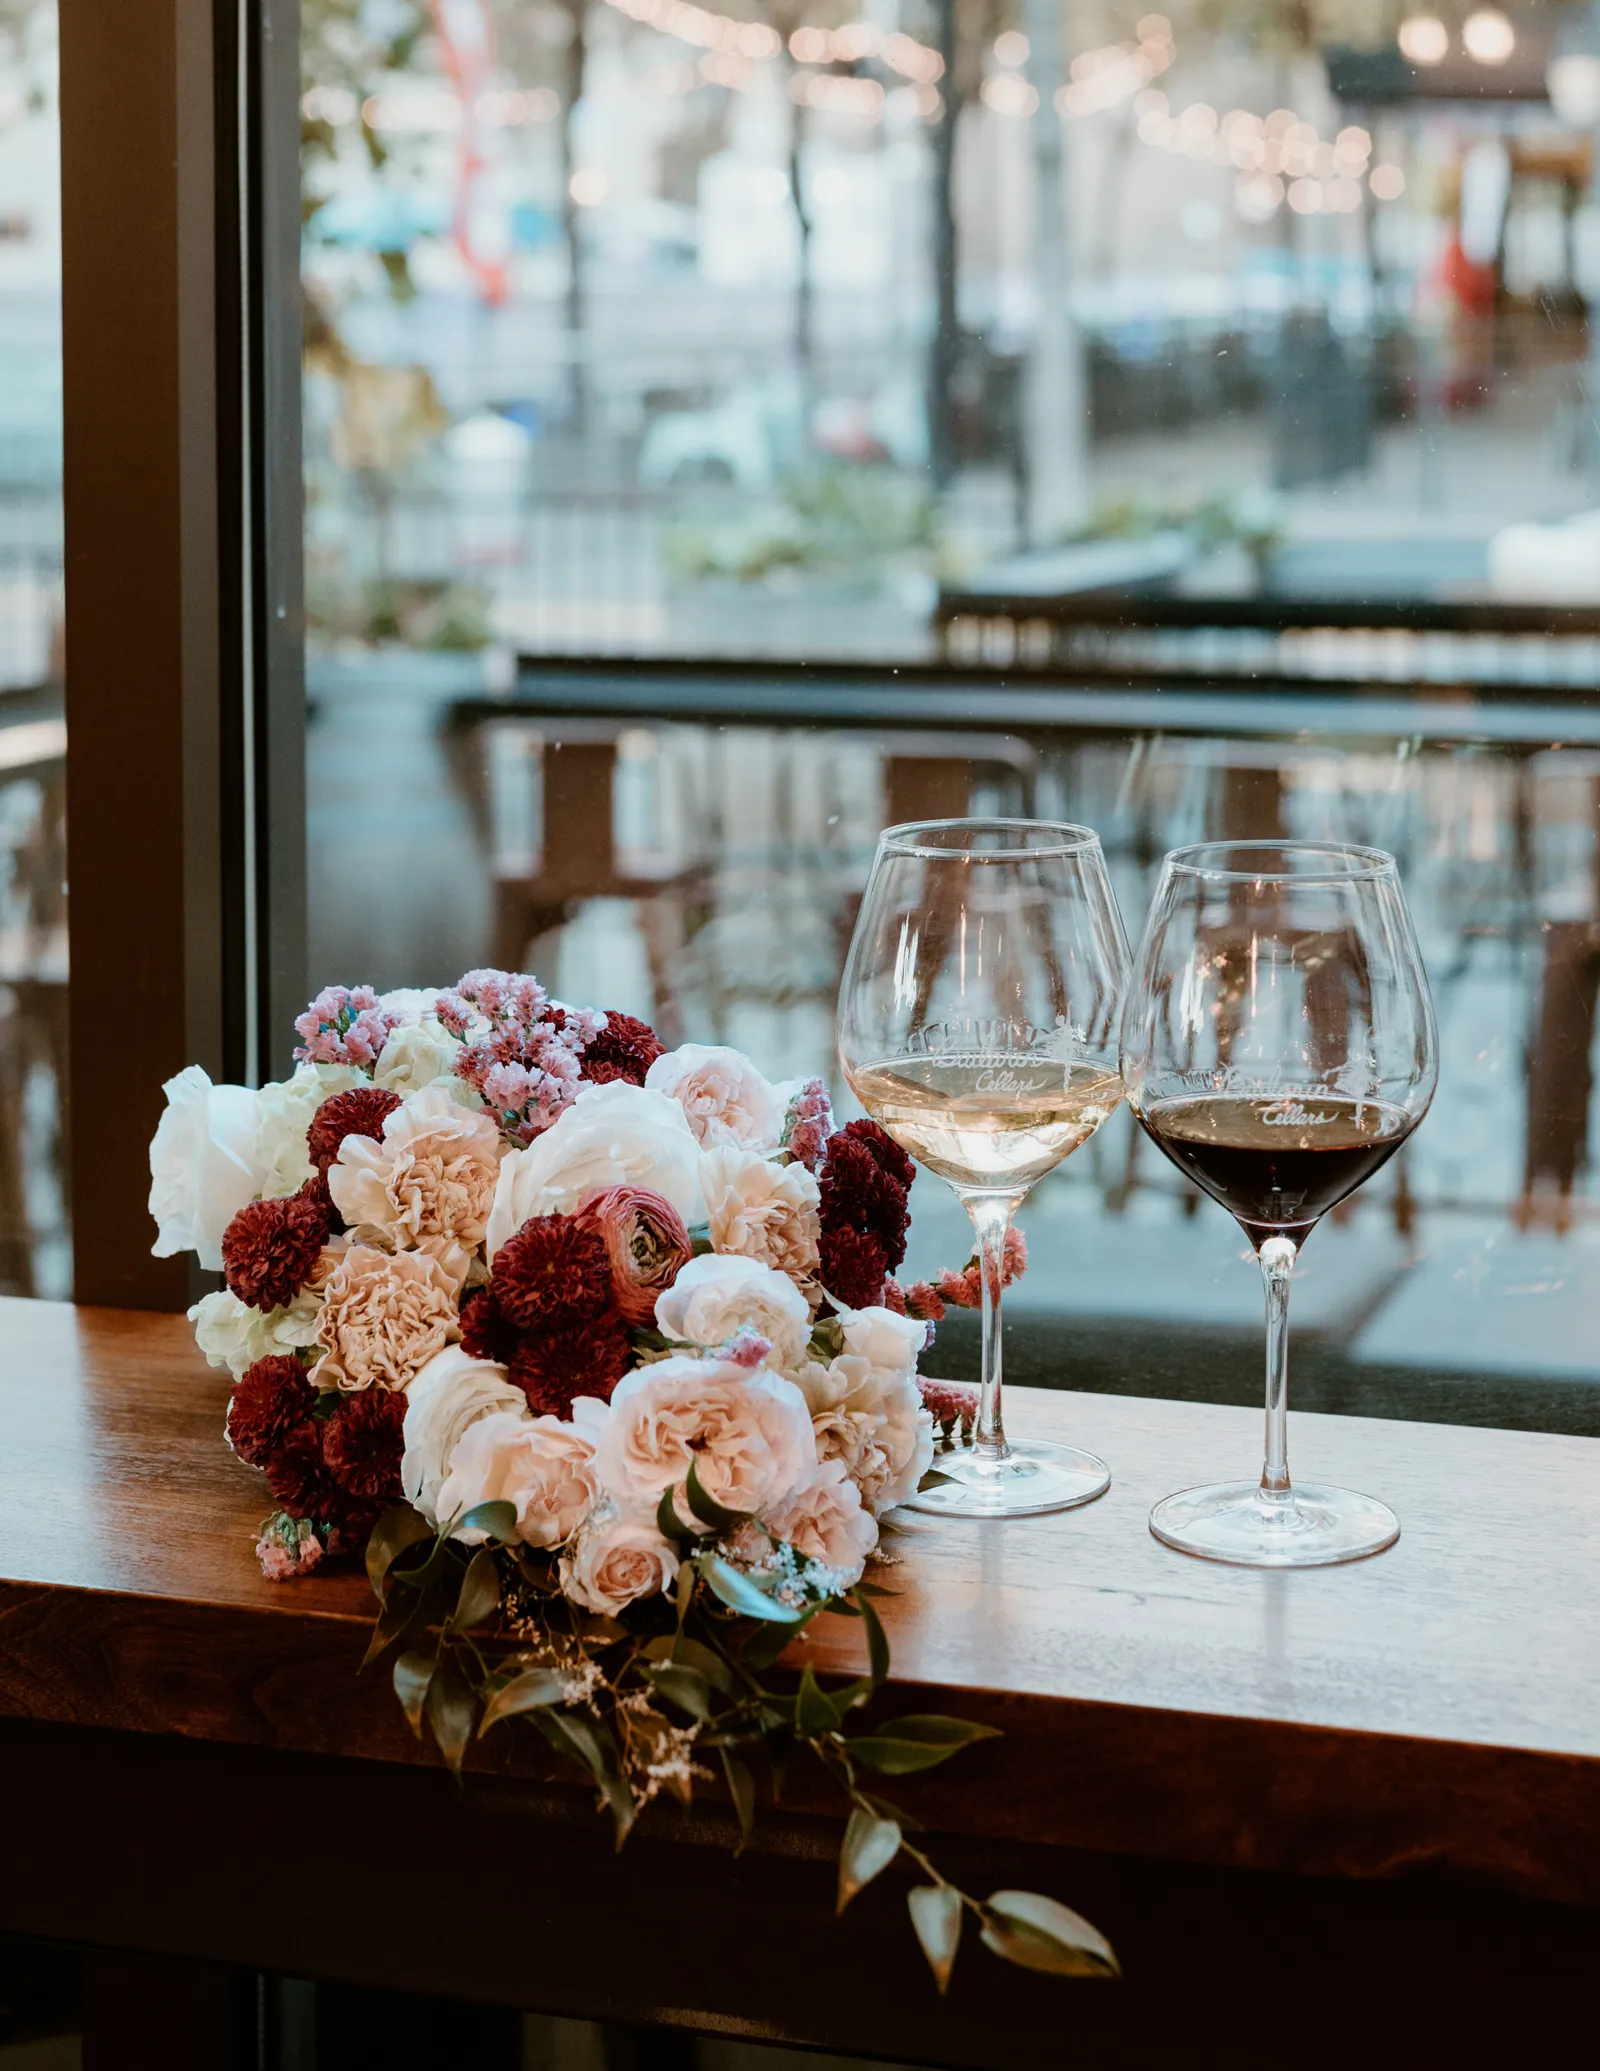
{"x": 34, "y": 1250}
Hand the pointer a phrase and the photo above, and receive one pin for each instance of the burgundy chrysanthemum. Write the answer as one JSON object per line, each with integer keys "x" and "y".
{"x": 315, "y": 1190}
{"x": 349, "y": 1521}
{"x": 362, "y": 1442}
{"x": 625, "y": 1049}
{"x": 485, "y": 1333}
{"x": 362, "y": 1111}
{"x": 885, "y": 1151}
{"x": 854, "y": 1267}
{"x": 862, "y": 1193}
{"x": 554, "y": 1367}
{"x": 298, "y": 1475}
{"x": 269, "y": 1249}
{"x": 270, "y": 1400}
{"x": 554, "y": 1272}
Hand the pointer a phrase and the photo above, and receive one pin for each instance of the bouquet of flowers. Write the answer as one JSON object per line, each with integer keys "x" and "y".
{"x": 596, "y": 1349}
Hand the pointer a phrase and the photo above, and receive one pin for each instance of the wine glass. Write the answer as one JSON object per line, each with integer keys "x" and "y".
{"x": 1278, "y": 1045}
{"x": 978, "y": 1025}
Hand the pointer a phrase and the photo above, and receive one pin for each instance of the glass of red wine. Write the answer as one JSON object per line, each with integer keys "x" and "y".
{"x": 1278, "y": 1045}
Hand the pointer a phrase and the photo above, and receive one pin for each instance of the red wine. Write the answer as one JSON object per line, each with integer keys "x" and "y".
{"x": 1281, "y": 1163}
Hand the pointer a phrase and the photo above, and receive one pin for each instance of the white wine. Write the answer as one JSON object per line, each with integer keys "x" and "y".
{"x": 1001, "y": 1120}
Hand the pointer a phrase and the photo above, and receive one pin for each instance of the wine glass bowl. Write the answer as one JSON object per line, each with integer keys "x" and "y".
{"x": 978, "y": 1025}
{"x": 1278, "y": 1046}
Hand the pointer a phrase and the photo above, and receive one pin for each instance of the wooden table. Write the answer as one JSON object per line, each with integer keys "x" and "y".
{"x": 1362, "y": 1800}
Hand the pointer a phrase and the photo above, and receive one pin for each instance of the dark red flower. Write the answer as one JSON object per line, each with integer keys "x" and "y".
{"x": 298, "y": 1475}
{"x": 360, "y": 1112}
{"x": 485, "y": 1333}
{"x": 269, "y": 1249}
{"x": 270, "y": 1400}
{"x": 854, "y": 1267}
{"x": 362, "y": 1442}
{"x": 349, "y": 1521}
{"x": 554, "y": 1272}
{"x": 875, "y": 1138}
{"x": 625, "y": 1049}
{"x": 315, "y": 1190}
{"x": 554, "y": 1367}
{"x": 859, "y": 1190}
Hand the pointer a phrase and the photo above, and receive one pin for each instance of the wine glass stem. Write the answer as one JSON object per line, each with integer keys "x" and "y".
{"x": 1277, "y": 1256}
{"x": 991, "y": 1219}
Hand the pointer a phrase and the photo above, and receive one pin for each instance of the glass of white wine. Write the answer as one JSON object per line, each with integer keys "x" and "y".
{"x": 978, "y": 1025}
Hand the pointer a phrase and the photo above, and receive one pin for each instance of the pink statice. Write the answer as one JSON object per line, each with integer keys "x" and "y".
{"x": 952, "y": 1407}
{"x": 747, "y": 1347}
{"x": 964, "y": 1290}
{"x": 288, "y": 1547}
{"x": 808, "y": 1124}
{"x": 520, "y": 1050}
{"x": 344, "y": 1024}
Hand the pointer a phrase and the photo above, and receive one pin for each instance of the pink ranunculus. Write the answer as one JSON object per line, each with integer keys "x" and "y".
{"x": 647, "y": 1245}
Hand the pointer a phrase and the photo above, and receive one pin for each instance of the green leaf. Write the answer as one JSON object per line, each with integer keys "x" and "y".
{"x": 1042, "y": 1934}
{"x": 936, "y": 1911}
{"x": 815, "y": 1714}
{"x": 708, "y": 1509}
{"x": 480, "y": 1592}
{"x": 494, "y": 1520}
{"x": 692, "y": 1653}
{"x": 681, "y": 1685}
{"x": 591, "y": 1747}
{"x": 742, "y": 1789}
{"x": 412, "y": 1675}
{"x": 933, "y": 1479}
{"x": 668, "y": 1523}
{"x": 919, "y": 1741}
{"x": 529, "y": 1691}
{"x": 877, "y": 1641}
{"x": 740, "y": 1594}
{"x": 450, "y": 1707}
{"x": 870, "y": 1845}
{"x": 390, "y": 1536}
{"x": 402, "y": 1609}
{"x": 764, "y": 1646}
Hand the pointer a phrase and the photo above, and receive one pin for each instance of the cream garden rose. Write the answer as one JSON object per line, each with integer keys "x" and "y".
{"x": 714, "y": 1297}
{"x": 725, "y": 1098}
{"x": 747, "y": 1435}
{"x": 232, "y": 1334}
{"x": 541, "y": 1465}
{"x": 445, "y": 1399}
{"x": 383, "y": 1318}
{"x": 827, "y": 1521}
{"x": 283, "y": 1163}
{"x": 202, "y": 1165}
{"x": 428, "y": 1186}
{"x": 615, "y": 1561}
{"x": 611, "y": 1136}
{"x": 756, "y": 1209}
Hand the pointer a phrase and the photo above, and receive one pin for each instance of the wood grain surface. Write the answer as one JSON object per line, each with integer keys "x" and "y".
{"x": 1437, "y": 1707}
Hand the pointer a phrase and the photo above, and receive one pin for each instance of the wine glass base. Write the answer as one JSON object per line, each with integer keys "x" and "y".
{"x": 1312, "y": 1527}
{"x": 1033, "y": 1477}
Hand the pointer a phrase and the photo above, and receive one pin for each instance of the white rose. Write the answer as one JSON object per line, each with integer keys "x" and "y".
{"x": 713, "y": 1297}
{"x": 282, "y": 1161}
{"x": 418, "y": 1054}
{"x": 612, "y": 1135}
{"x": 725, "y": 1097}
{"x": 826, "y": 1521}
{"x": 542, "y": 1465}
{"x": 446, "y": 1398}
{"x": 233, "y": 1335}
{"x": 747, "y": 1435}
{"x": 410, "y": 1004}
{"x": 884, "y": 1338}
{"x": 202, "y": 1165}
{"x": 872, "y": 1420}
{"x": 763, "y": 1211}
{"x": 616, "y": 1560}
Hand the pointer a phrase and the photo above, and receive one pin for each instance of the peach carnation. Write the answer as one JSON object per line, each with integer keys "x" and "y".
{"x": 383, "y": 1318}
{"x": 428, "y": 1186}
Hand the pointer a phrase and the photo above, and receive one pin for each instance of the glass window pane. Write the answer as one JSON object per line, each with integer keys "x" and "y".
{"x": 1264, "y": 369}
{"x": 35, "y": 1254}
